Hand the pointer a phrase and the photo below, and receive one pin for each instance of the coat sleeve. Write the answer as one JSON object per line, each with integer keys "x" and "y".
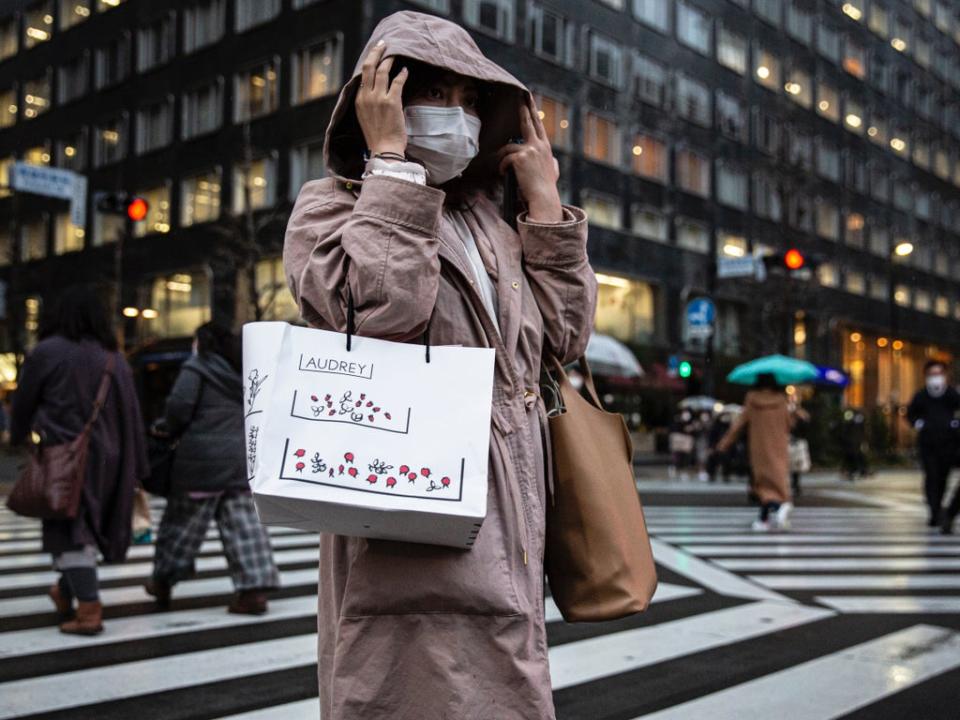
{"x": 384, "y": 246}
{"x": 735, "y": 431}
{"x": 915, "y": 409}
{"x": 135, "y": 439}
{"x": 564, "y": 284}
{"x": 182, "y": 401}
{"x": 30, "y": 381}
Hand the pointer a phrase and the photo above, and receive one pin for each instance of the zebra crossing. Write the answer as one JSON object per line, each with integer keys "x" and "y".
{"x": 857, "y": 610}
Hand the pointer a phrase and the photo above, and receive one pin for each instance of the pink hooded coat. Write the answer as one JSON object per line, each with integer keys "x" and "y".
{"x": 417, "y": 631}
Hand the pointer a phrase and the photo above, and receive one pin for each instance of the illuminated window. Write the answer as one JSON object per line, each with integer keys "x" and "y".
{"x": 799, "y": 87}
{"x": 731, "y": 245}
{"x": 625, "y": 308}
{"x": 767, "y": 70}
{"x": 200, "y": 198}
{"x": 104, "y": 5}
{"x": 900, "y": 142}
{"x": 316, "y": 70}
{"x": 255, "y": 12}
{"x": 33, "y": 239}
{"x": 879, "y": 288}
{"x": 853, "y": 117}
{"x": 922, "y": 301}
{"x": 182, "y": 302}
{"x": 555, "y": 116}
{"x": 650, "y": 158}
{"x": 110, "y": 141}
{"x": 693, "y": 172}
{"x": 942, "y": 306}
{"x": 693, "y": 235}
{"x": 827, "y": 220}
{"x": 827, "y": 275}
{"x": 877, "y": 130}
{"x": 855, "y": 282}
{"x": 107, "y": 228}
{"x": 8, "y": 38}
{"x": 306, "y": 163}
{"x": 853, "y": 231}
{"x": 256, "y": 92}
{"x": 828, "y": 102}
{"x": 601, "y": 139}
{"x": 73, "y": 12}
{"x": 38, "y": 23}
{"x": 495, "y": 17}
{"x": 602, "y": 210}
{"x": 732, "y": 50}
{"x": 853, "y": 9}
{"x": 38, "y": 155}
{"x": 37, "y": 97}
{"x": 921, "y": 154}
{"x": 203, "y": 109}
{"x": 901, "y": 295}
{"x": 921, "y": 51}
{"x": 158, "y": 212}
{"x": 259, "y": 181}
{"x": 649, "y": 223}
{"x": 8, "y": 108}
{"x": 203, "y": 24}
{"x": 273, "y": 295}
{"x": 67, "y": 237}
{"x": 854, "y": 58}
{"x": 879, "y": 20}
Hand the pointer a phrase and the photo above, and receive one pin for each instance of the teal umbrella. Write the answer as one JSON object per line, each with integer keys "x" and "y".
{"x": 787, "y": 370}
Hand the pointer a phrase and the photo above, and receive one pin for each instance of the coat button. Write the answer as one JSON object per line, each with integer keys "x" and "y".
{"x": 349, "y": 186}
{"x": 515, "y": 285}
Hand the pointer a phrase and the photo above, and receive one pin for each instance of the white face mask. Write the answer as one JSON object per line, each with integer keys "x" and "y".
{"x": 444, "y": 139}
{"x": 936, "y": 384}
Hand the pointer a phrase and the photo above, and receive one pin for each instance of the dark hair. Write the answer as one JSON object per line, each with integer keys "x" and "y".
{"x": 930, "y": 364}
{"x": 77, "y": 314}
{"x": 767, "y": 381}
{"x": 216, "y": 338}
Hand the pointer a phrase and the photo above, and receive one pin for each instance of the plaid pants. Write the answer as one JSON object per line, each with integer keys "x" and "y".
{"x": 245, "y": 542}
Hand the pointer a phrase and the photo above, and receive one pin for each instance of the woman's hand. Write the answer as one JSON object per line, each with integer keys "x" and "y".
{"x": 535, "y": 166}
{"x": 379, "y": 104}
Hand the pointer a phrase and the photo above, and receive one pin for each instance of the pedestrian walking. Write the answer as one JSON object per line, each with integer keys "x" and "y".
{"x": 853, "y": 441}
{"x": 767, "y": 420}
{"x": 55, "y": 396}
{"x": 204, "y": 412}
{"x": 407, "y": 229}
{"x": 682, "y": 440}
{"x": 799, "y": 444}
{"x": 933, "y": 413}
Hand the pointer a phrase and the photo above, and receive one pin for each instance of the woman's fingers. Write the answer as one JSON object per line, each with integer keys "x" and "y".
{"x": 369, "y": 67}
{"x": 509, "y": 148}
{"x": 526, "y": 125}
{"x": 382, "y": 81}
{"x": 396, "y": 87}
{"x": 538, "y": 127}
{"x": 506, "y": 163}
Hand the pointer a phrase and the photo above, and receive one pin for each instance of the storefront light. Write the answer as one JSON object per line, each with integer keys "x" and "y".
{"x": 852, "y": 11}
{"x": 763, "y": 72}
{"x": 854, "y": 121}
{"x": 882, "y": 342}
{"x": 637, "y": 150}
{"x": 903, "y": 249}
{"x": 793, "y": 88}
{"x": 898, "y": 144}
{"x": 149, "y": 314}
{"x": 612, "y": 280}
{"x": 38, "y": 34}
{"x": 130, "y": 312}
{"x": 856, "y": 337}
{"x": 732, "y": 250}
{"x": 872, "y": 131}
{"x": 824, "y": 105}
{"x": 898, "y": 344}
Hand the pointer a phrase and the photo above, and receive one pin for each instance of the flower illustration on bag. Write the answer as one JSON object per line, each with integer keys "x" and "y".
{"x": 318, "y": 464}
{"x": 372, "y": 479}
{"x": 255, "y": 382}
{"x": 391, "y": 482}
{"x": 357, "y": 410}
{"x": 300, "y": 467}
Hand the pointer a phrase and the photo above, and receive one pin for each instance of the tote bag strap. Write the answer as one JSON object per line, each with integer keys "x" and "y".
{"x": 557, "y": 367}
{"x": 102, "y": 391}
{"x": 352, "y": 330}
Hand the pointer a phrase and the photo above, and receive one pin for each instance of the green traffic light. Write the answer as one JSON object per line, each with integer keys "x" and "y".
{"x": 685, "y": 369}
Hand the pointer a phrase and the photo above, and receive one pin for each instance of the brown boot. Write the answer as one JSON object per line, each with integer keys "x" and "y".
{"x": 89, "y": 620}
{"x": 248, "y": 602}
{"x": 64, "y": 606}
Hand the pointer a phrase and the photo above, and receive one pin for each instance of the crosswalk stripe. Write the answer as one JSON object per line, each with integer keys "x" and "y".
{"x": 682, "y": 538}
{"x": 301, "y": 710}
{"x": 586, "y": 660}
{"x": 892, "y": 603}
{"x": 858, "y": 582}
{"x": 815, "y": 550}
{"x": 854, "y": 563}
{"x": 835, "y": 684}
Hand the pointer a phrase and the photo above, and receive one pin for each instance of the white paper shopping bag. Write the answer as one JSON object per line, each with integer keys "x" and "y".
{"x": 374, "y": 442}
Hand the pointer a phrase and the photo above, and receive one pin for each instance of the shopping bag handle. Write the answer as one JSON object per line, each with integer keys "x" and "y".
{"x": 351, "y": 328}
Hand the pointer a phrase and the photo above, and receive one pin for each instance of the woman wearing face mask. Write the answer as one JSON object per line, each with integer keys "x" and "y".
{"x": 408, "y": 224}
{"x": 933, "y": 412}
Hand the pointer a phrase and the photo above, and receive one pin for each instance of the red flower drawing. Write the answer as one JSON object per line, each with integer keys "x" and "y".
{"x": 445, "y": 481}
{"x": 412, "y": 477}
{"x": 391, "y": 482}
{"x": 314, "y": 398}
{"x": 340, "y": 470}
{"x": 404, "y": 469}
{"x": 352, "y": 472}
{"x": 372, "y": 479}
{"x": 348, "y": 457}
{"x": 300, "y": 467}
{"x": 300, "y": 453}
{"x": 425, "y": 472}
{"x": 387, "y": 416}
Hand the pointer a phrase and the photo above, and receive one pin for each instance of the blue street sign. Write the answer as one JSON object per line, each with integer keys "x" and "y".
{"x": 701, "y": 314}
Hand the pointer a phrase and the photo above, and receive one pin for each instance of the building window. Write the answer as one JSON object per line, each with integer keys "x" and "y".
{"x": 942, "y": 306}
{"x": 649, "y": 223}
{"x": 828, "y": 220}
{"x": 693, "y": 101}
{"x": 200, "y": 198}
{"x": 74, "y": 79}
{"x": 8, "y": 108}
{"x": 255, "y": 12}
{"x": 316, "y": 70}
{"x": 37, "y": 96}
{"x": 649, "y": 80}
{"x": 921, "y": 154}
{"x": 110, "y": 141}
{"x": 602, "y": 210}
{"x": 732, "y": 186}
{"x": 601, "y": 139}
{"x": 156, "y": 43}
{"x": 828, "y": 160}
{"x": 921, "y": 51}
{"x": 107, "y": 228}
{"x": 158, "y": 212}
{"x": 6, "y": 248}
{"x": 853, "y": 230}
{"x": 650, "y": 158}
{"x": 693, "y": 235}
{"x": 941, "y": 161}
{"x": 877, "y": 131}
{"x": 273, "y": 295}
{"x": 799, "y": 211}
{"x": 33, "y": 239}
{"x": 491, "y": 16}
{"x": 73, "y": 12}
{"x": 38, "y": 24}
{"x": 550, "y": 35}
{"x": 943, "y": 17}
{"x": 256, "y": 92}
{"x": 655, "y": 13}
{"x": 182, "y": 302}
{"x": 72, "y": 152}
{"x": 879, "y": 288}
{"x": 113, "y": 62}
{"x": 154, "y": 126}
{"x": 203, "y": 109}
{"x": 828, "y": 42}
{"x": 827, "y": 275}
{"x": 625, "y": 308}
{"x": 900, "y": 142}
{"x": 855, "y": 282}
{"x": 769, "y": 10}
{"x": 8, "y": 38}
{"x": 693, "y": 27}
{"x": 731, "y": 50}
{"x": 67, "y": 237}
{"x": 693, "y": 172}
{"x": 856, "y": 172}
{"x": 615, "y": 4}
{"x": 731, "y": 245}
{"x": 6, "y": 166}
{"x": 733, "y": 117}
{"x": 766, "y": 197}
{"x": 769, "y": 129}
{"x": 879, "y": 19}
{"x": 799, "y": 87}
{"x": 922, "y": 301}
{"x": 828, "y": 101}
{"x": 39, "y": 155}
{"x": 203, "y": 24}
{"x": 854, "y": 58}
{"x": 259, "y": 181}
{"x": 800, "y": 21}
{"x": 306, "y": 163}
{"x": 441, "y": 6}
{"x": 900, "y": 40}
{"x": 555, "y": 116}
{"x": 767, "y": 72}
{"x": 880, "y": 184}
{"x": 606, "y": 61}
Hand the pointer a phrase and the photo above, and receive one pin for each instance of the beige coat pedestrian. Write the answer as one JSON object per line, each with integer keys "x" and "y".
{"x": 417, "y": 631}
{"x": 767, "y": 420}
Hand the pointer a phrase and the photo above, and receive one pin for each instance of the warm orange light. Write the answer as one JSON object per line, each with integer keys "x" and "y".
{"x": 794, "y": 259}
{"x": 137, "y": 209}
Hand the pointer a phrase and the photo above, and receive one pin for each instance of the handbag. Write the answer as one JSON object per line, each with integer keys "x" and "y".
{"x": 161, "y": 453}
{"x": 51, "y": 482}
{"x": 598, "y": 557}
{"x": 799, "y": 456}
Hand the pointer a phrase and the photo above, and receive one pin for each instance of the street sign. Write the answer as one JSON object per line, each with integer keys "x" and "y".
{"x": 701, "y": 313}
{"x": 53, "y": 182}
{"x": 736, "y": 267}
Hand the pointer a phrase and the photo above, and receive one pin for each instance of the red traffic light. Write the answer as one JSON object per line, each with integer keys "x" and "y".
{"x": 794, "y": 259}
{"x": 137, "y": 209}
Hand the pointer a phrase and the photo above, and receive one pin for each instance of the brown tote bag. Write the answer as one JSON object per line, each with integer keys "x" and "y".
{"x": 51, "y": 483}
{"x": 598, "y": 558}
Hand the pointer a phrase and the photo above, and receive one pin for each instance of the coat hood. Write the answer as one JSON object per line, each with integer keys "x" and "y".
{"x": 435, "y": 41}
{"x": 766, "y": 399}
{"x": 217, "y": 373}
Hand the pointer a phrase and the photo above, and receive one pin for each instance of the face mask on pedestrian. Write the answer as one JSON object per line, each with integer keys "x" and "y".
{"x": 936, "y": 385}
{"x": 444, "y": 139}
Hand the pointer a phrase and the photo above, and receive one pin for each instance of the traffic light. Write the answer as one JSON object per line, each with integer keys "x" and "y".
{"x": 685, "y": 369}
{"x": 793, "y": 259}
{"x": 123, "y": 203}
{"x": 792, "y": 262}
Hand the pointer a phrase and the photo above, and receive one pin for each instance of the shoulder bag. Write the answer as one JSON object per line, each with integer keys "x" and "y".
{"x": 162, "y": 451}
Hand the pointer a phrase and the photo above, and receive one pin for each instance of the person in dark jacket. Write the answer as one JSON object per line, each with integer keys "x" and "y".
{"x": 55, "y": 394}
{"x": 205, "y": 411}
{"x": 933, "y": 412}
